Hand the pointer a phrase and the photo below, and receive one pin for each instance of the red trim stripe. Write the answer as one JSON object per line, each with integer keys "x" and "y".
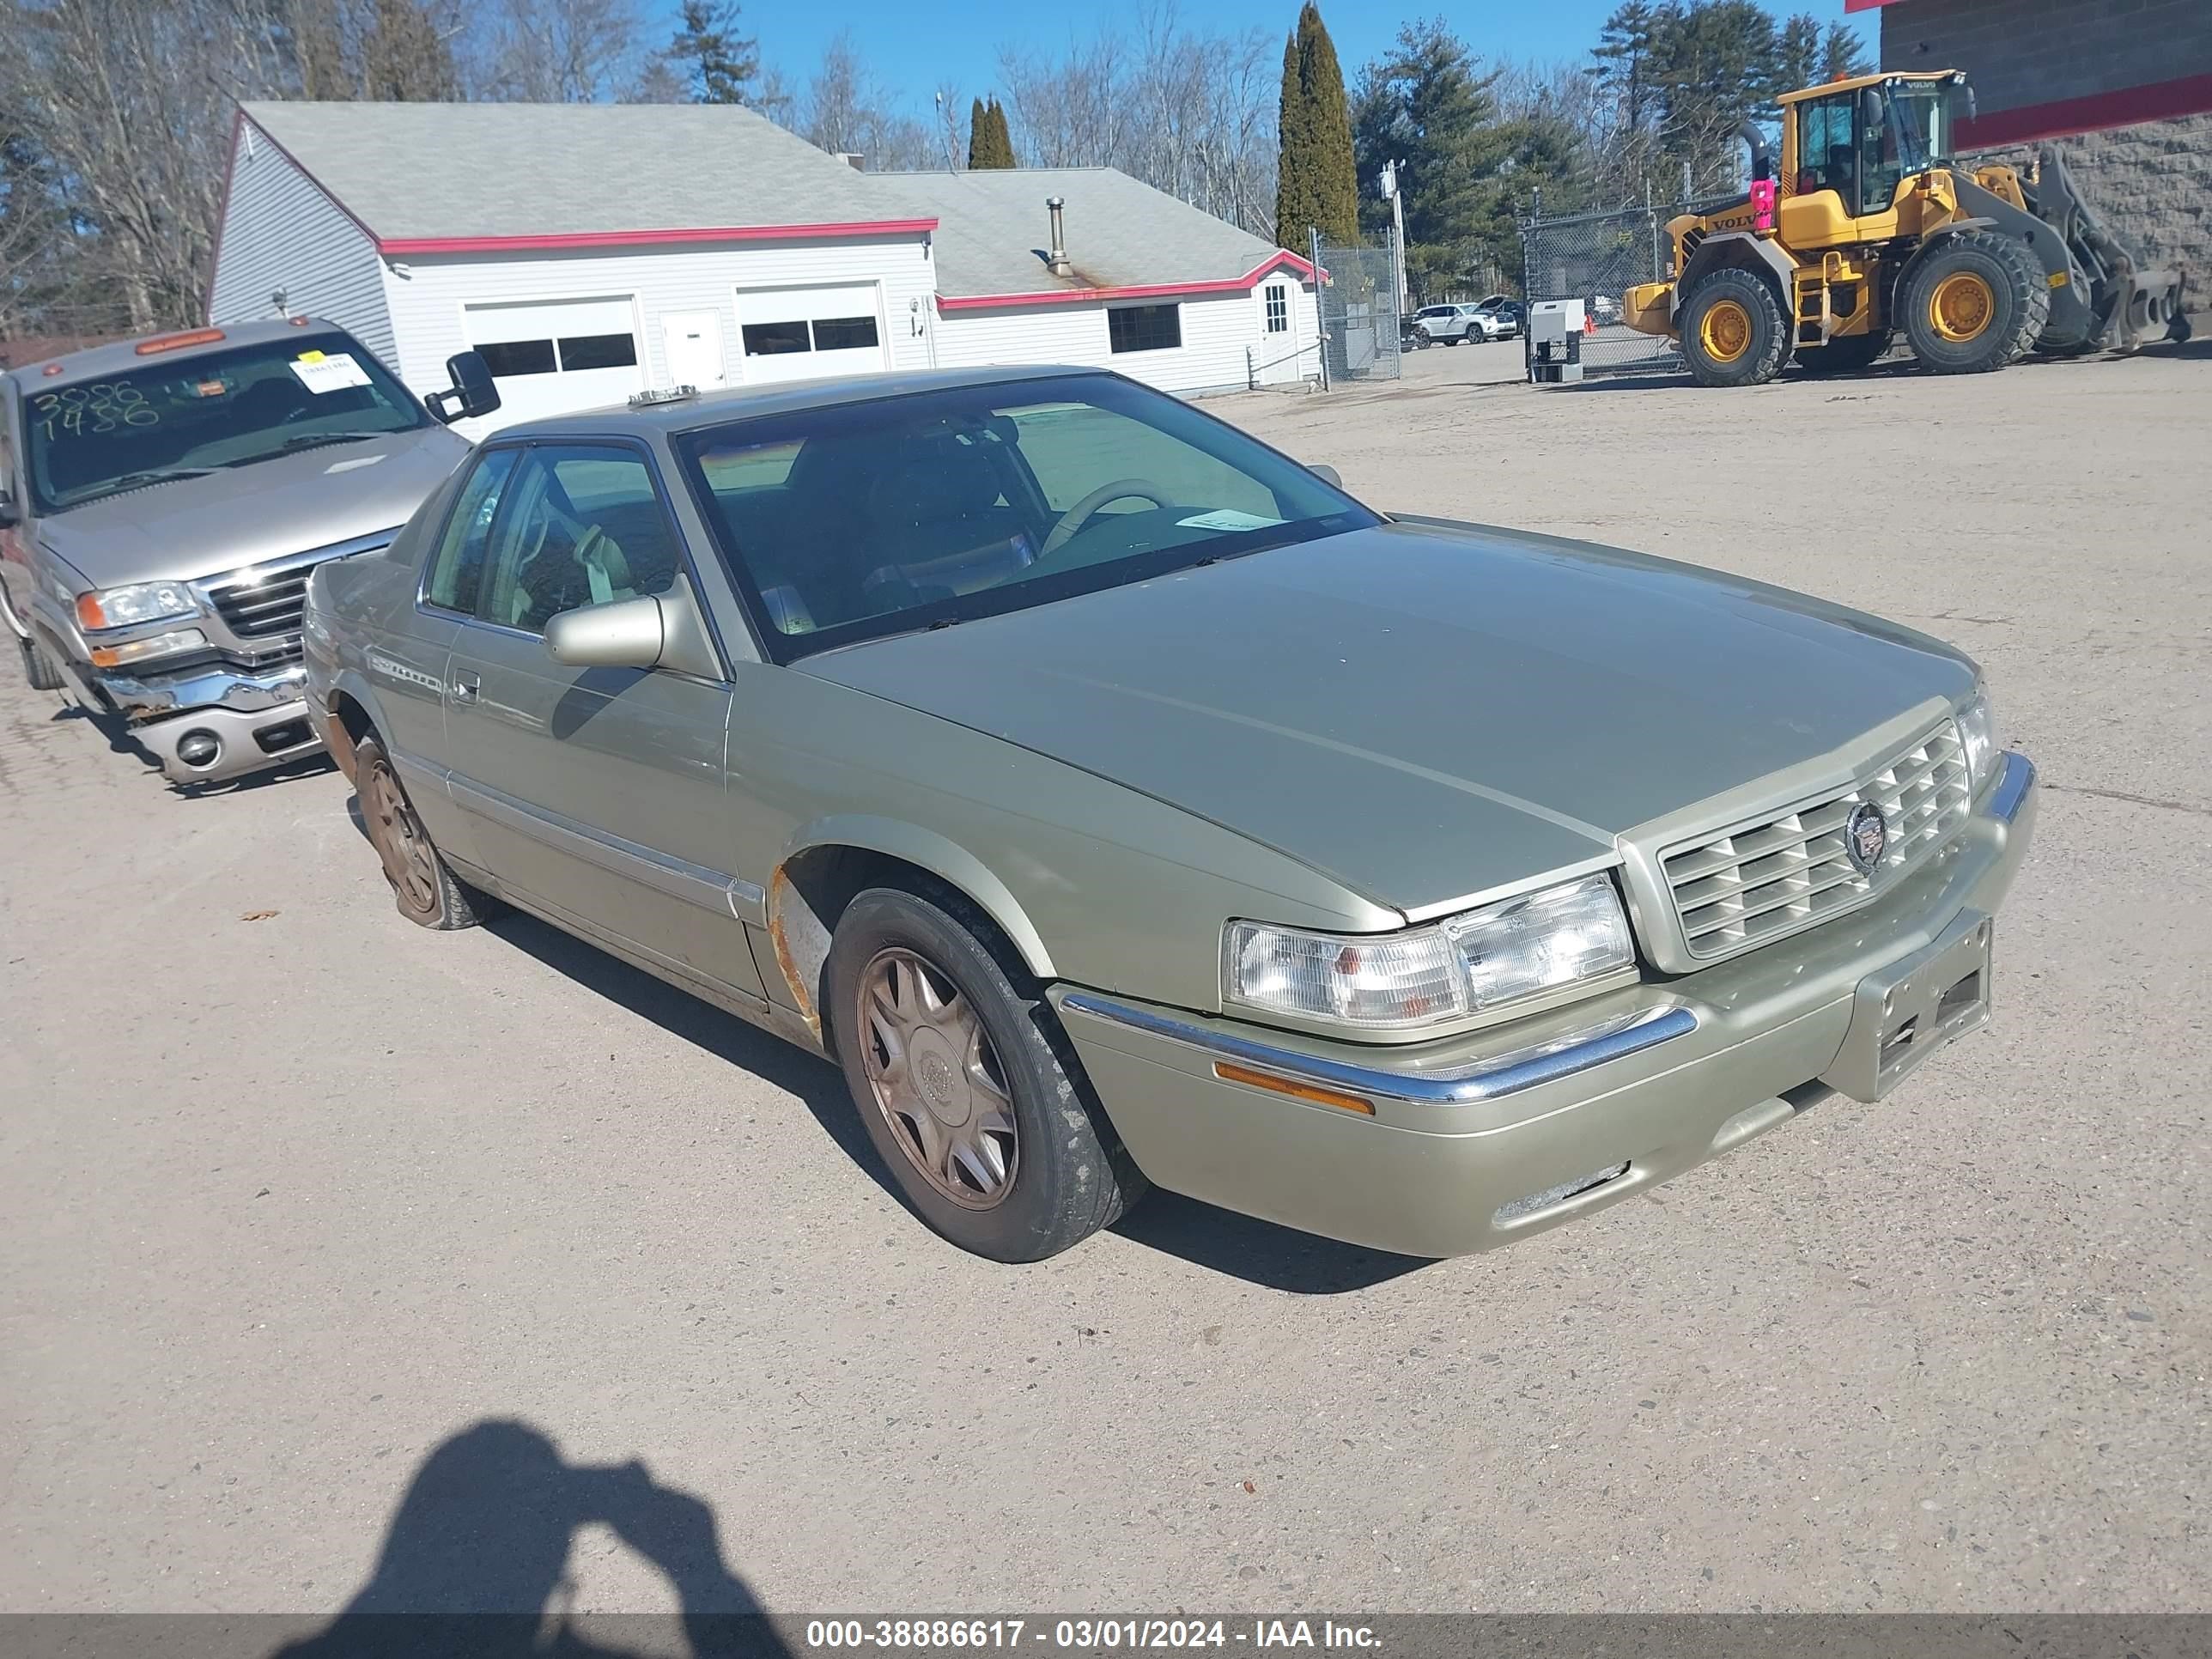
{"x": 1147, "y": 291}
{"x": 2161, "y": 100}
{"x": 559, "y": 241}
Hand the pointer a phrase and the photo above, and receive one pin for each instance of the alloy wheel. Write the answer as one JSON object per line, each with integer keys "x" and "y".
{"x": 936, "y": 1078}
{"x": 401, "y": 844}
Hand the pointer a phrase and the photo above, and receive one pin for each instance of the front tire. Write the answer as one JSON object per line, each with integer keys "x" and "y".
{"x": 1734, "y": 333}
{"x": 43, "y": 673}
{"x": 1975, "y": 303}
{"x": 428, "y": 893}
{"x": 967, "y": 1087}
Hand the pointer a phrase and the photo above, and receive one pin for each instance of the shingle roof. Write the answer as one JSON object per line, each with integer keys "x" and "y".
{"x": 427, "y": 170}
{"x": 1121, "y": 233}
{"x": 433, "y": 172}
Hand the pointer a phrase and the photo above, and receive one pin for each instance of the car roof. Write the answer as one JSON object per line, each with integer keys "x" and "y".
{"x": 691, "y": 410}
{"x": 123, "y": 356}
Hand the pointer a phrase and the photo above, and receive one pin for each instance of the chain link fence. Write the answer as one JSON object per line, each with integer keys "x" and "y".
{"x": 1596, "y": 258}
{"x": 1358, "y": 293}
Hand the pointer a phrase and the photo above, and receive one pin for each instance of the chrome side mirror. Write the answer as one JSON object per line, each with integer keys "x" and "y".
{"x": 662, "y": 631}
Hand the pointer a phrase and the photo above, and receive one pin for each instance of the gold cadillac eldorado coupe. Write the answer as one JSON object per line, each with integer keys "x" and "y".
{"x": 1119, "y": 802}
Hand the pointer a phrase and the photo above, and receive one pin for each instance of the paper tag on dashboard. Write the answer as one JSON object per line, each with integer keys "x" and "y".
{"x": 1226, "y": 517}
{"x": 320, "y": 372}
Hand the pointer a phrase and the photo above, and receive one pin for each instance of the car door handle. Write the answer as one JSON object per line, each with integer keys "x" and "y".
{"x": 465, "y": 686}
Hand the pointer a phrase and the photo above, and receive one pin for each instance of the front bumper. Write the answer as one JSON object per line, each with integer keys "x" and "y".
{"x": 1476, "y": 1141}
{"x": 254, "y": 720}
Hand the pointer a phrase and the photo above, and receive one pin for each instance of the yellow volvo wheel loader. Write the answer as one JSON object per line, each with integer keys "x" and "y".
{"x": 1871, "y": 228}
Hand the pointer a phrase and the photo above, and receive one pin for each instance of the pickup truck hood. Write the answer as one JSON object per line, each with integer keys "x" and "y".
{"x": 242, "y": 515}
{"x": 1422, "y": 711}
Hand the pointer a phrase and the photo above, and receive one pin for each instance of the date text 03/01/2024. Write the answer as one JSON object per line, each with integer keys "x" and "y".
{"x": 1085, "y": 1634}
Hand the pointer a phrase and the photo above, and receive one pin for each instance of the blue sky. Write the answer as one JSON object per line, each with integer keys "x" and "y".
{"x": 913, "y": 46}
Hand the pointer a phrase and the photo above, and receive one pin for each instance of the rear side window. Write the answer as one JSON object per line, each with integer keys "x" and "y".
{"x": 457, "y": 568}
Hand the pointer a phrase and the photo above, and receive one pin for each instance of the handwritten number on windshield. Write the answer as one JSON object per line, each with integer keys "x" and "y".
{"x": 100, "y": 406}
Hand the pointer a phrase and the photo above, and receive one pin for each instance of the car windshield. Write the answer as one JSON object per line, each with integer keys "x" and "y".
{"x": 850, "y": 521}
{"x": 178, "y": 415}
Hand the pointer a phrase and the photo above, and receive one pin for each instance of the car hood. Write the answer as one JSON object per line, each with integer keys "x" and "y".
{"x": 1422, "y": 712}
{"x": 242, "y": 515}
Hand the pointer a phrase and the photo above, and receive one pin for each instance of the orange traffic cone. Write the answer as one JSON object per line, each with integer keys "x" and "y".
{"x": 1589, "y": 322}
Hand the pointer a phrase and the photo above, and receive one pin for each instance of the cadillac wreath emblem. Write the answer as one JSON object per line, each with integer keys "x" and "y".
{"x": 1866, "y": 837}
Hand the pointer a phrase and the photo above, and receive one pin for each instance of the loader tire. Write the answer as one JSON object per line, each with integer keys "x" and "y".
{"x": 1848, "y": 356}
{"x": 1734, "y": 332}
{"x": 1976, "y": 302}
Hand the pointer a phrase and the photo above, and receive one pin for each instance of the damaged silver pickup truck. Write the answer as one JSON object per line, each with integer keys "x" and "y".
{"x": 163, "y": 503}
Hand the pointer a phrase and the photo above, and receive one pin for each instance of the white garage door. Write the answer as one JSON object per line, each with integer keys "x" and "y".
{"x": 803, "y": 333}
{"x": 551, "y": 356}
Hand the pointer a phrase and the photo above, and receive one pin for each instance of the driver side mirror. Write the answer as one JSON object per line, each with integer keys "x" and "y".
{"x": 654, "y": 631}
{"x": 472, "y": 392}
{"x": 1871, "y": 109}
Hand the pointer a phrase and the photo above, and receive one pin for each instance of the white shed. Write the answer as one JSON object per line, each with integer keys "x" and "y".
{"x": 592, "y": 250}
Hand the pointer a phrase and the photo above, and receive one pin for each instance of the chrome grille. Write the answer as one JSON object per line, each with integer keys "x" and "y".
{"x": 1754, "y": 883}
{"x": 265, "y": 601}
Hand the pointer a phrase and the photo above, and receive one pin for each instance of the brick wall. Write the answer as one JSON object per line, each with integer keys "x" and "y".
{"x": 2038, "y": 52}
{"x": 2152, "y": 182}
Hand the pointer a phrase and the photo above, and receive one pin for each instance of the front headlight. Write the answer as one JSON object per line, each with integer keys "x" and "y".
{"x": 141, "y": 602}
{"x": 1977, "y": 735}
{"x": 1449, "y": 970}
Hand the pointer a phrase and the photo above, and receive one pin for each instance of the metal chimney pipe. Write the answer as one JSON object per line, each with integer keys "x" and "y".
{"x": 1057, "y": 258}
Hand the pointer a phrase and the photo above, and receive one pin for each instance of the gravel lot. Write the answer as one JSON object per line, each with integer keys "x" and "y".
{"x": 296, "y": 1193}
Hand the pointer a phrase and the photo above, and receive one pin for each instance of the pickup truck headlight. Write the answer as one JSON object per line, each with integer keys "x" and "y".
{"x": 1447, "y": 969}
{"x": 141, "y": 602}
{"x": 1977, "y": 735}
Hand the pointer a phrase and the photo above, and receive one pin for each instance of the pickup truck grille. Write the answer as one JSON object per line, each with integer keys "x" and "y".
{"x": 1755, "y": 883}
{"x": 264, "y": 601}
{"x": 254, "y": 609}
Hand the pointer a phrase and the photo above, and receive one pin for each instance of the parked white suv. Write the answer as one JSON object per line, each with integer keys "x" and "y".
{"x": 1452, "y": 324}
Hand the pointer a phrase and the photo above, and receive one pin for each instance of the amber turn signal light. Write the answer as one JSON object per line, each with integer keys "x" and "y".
{"x": 1282, "y": 1085}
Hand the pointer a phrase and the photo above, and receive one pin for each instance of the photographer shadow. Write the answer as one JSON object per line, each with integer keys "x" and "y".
{"x": 474, "y": 1562}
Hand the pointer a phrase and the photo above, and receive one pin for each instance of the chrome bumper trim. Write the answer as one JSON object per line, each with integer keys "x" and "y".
{"x": 1507, "y": 1073}
{"x": 2018, "y": 778}
{"x": 214, "y": 688}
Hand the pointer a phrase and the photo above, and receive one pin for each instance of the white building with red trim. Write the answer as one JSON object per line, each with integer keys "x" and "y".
{"x": 593, "y": 250}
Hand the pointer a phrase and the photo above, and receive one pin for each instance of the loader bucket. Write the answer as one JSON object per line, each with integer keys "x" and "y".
{"x": 2127, "y": 303}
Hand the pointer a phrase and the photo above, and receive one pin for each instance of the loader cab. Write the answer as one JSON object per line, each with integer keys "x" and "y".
{"x": 1849, "y": 147}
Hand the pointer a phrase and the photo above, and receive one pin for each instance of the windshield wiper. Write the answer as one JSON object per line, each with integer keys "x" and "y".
{"x": 305, "y": 440}
{"x": 131, "y": 481}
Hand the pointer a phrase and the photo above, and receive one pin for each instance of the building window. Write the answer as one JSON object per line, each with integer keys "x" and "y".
{"x": 1279, "y": 309}
{"x": 774, "y": 339}
{"x": 1144, "y": 328}
{"x": 828, "y": 334}
{"x": 506, "y": 358}
{"x": 844, "y": 333}
{"x": 598, "y": 351}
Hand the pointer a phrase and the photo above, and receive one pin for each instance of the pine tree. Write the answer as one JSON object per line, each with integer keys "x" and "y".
{"x": 1797, "y": 53}
{"x": 1317, "y": 181}
{"x": 1426, "y": 106}
{"x": 718, "y": 62}
{"x": 1843, "y": 54}
{"x": 979, "y": 136}
{"x": 990, "y": 144}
